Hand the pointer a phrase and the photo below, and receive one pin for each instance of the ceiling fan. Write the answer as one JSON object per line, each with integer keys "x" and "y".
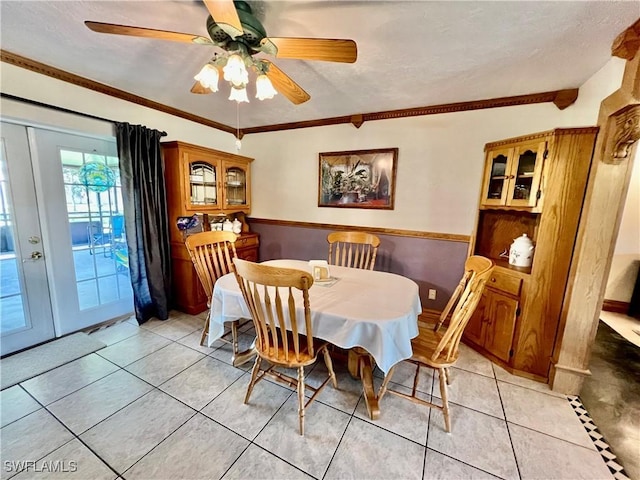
{"x": 233, "y": 28}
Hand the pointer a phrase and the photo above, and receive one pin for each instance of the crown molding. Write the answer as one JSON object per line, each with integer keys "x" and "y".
{"x": 49, "y": 71}
{"x": 561, "y": 98}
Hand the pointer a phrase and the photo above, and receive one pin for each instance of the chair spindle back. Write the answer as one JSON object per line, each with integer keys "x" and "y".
{"x": 353, "y": 249}
{"x": 465, "y": 298}
{"x": 272, "y": 296}
{"x": 212, "y": 254}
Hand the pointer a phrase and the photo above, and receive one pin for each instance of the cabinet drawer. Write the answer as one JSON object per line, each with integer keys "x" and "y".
{"x": 504, "y": 282}
{"x": 246, "y": 242}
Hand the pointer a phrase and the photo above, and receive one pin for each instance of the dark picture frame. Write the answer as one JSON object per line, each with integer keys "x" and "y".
{"x": 358, "y": 179}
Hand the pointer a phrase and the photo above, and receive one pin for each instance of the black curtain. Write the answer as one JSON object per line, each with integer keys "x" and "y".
{"x": 146, "y": 222}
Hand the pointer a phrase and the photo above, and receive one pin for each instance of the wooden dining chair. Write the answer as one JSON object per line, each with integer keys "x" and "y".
{"x": 353, "y": 249}
{"x": 212, "y": 254}
{"x": 439, "y": 350}
{"x": 278, "y": 299}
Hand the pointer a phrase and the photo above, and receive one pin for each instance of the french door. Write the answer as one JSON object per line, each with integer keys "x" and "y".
{"x": 82, "y": 255}
{"x": 26, "y": 317}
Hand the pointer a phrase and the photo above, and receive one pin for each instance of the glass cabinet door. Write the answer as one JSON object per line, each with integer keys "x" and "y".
{"x": 525, "y": 174}
{"x": 203, "y": 185}
{"x": 235, "y": 186}
{"x": 497, "y": 176}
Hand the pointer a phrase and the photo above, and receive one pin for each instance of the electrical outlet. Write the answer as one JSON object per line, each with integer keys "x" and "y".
{"x": 432, "y": 294}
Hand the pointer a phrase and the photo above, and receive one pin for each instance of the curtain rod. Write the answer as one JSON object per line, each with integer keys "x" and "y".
{"x": 61, "y": 109}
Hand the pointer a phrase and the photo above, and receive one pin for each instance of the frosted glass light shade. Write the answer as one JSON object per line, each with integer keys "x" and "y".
{"x": 264, "y": 88}
{"x": 239, "y": 94}
{"x": 235, "y": 71}
{"x": 208, "y": 77}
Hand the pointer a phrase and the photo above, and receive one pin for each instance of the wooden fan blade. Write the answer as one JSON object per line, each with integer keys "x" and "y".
{"x": 327, "y": 49}
{"x": 285, "y": 85}
{"x": 199, "y": 89}
{"x": 147, "y": 32}
{"x": 225, "y": 15}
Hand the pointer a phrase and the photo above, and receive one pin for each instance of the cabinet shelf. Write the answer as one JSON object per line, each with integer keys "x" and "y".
{"x": 504, "y": 263}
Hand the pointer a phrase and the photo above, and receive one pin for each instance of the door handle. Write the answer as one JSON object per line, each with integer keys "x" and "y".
{"x": 33, "y": 257}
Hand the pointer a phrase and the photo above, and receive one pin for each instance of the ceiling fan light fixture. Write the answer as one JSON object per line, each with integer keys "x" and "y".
{"x": 264, "y": 88}
{"x": 235, "y": 71}
{"x": 208, "y": 77}
{"x": 239, "y": 94}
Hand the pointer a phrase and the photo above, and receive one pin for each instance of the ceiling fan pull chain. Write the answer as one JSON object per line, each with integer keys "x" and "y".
{"x": 238, "y": 142}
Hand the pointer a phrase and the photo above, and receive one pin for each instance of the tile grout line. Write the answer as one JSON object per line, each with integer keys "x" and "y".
{"x": 77, "y": 437}
{"x": 506, "y": 423}
{"x": 602, "y": 446}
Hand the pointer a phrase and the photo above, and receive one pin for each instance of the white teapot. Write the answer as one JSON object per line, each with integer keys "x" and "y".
{"x": 521, "y": 252}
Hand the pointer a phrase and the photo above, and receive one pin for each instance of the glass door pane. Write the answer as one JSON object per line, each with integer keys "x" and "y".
{"x": 94, "y": 208}
{"x": 524, "y": 175}
{"x": 497, "y": 177}
{"x": 203, "y": 184}
{"x": 236, "y": 186}
{"x": 11, "y": 299}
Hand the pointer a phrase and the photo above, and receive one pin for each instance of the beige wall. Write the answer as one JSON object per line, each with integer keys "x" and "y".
{"x": 626, "y": 257}
{"x": 440, "y": 157}
{"x": 439, "y": 165}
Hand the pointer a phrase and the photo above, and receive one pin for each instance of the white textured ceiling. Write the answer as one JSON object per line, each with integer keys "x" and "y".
{"x": 410, "y": 54}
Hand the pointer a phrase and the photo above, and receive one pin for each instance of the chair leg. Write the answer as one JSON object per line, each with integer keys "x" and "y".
{"x": 385, "y": 382}
{"x": 234, "y": 336}
{"x": 445, "y": 400}
{"x": 205, "y": 329}
{"x": 447, "y": 376}
{"x": 301, "y": 398}
{"x": 254, "y": 375}
{"x": 329, "y": 364}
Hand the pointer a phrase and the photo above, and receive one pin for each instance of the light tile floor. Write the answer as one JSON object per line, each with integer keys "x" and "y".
{"x": 154, "y": 404}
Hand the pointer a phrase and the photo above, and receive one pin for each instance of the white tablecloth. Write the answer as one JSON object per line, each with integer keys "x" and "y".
{"x": 374, "y": 310}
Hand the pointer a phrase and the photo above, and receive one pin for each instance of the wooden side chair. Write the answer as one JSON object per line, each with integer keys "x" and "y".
{"x": 353, "y": 249}
{"x": 439, "y": 350}
{"x": 212, "y": 254}
{"x": 278, "y": 299}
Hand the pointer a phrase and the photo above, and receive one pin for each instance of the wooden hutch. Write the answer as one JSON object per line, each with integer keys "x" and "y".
{"x": 536, "y": 185}
{"x": 212, "y": 184}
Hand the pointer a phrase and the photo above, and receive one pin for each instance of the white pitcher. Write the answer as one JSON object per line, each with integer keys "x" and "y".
{"x": 237, "y": 226}
{"x": 521, "y": 252}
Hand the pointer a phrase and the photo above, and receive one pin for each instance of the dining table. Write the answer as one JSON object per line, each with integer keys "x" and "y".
{"x": 372, "y": 314}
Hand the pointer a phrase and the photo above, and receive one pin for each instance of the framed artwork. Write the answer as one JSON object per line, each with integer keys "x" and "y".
{"x": 358, "y": 179}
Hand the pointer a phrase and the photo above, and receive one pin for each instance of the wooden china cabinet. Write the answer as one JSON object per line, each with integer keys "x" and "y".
{"x": 532, "y": 185}
{"x": 212, "y": 184}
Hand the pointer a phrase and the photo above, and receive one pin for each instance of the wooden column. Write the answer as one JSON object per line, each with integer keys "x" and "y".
{"x": 619, "y": 122}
